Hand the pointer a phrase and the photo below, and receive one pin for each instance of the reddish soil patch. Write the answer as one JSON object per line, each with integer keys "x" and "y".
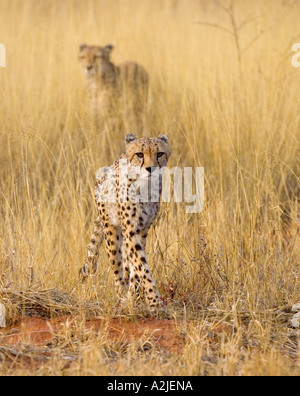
{"x": 161, "y": 333}
{"x": 39, "y": 331}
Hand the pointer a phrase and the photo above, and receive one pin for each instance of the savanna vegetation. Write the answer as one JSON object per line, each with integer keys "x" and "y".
{"x": 224, "y": 90}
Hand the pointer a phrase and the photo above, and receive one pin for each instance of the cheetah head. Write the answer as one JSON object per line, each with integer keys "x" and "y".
{"x": 149, "y": 154}
{"x": 93, "y": 58}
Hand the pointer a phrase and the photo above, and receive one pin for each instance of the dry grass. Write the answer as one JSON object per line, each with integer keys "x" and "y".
{"x": 224, "y": 89}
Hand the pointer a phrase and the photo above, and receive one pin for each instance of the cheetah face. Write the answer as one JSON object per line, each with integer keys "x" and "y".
{"x": 93, "y": 58}
{"x": 148, "y": 154}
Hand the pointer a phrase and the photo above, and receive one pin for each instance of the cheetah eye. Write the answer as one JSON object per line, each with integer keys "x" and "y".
{"x": 159, "y": 155}
{"x": 140, "y": 155}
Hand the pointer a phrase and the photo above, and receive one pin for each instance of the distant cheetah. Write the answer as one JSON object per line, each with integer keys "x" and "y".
{"x": 124, "y": 223}
{"x": 114, "y": 91}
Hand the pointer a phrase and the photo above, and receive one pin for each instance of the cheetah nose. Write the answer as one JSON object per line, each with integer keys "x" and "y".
{"x": 150, "y": 169}
{"x": 89, "y": 68}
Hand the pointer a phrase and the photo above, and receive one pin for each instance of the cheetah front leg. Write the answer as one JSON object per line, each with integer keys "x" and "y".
{"x": 140, "y": 274}
{"x": 114, "y": 240}
{"x": 144, "y": 239}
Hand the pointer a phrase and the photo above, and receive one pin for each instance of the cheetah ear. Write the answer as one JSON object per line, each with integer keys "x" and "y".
{"x": 82, "y": 46}
{"x": 130, "y": 138}
{"x": 109, "y": 47}
{"x": 164, "y": 138}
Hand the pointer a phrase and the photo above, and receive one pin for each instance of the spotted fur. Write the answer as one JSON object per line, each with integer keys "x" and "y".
{"x": 124, "y": 224}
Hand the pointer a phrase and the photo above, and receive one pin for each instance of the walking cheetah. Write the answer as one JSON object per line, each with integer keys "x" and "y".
{"x": 124, "y": 222}
{"x": 113, "y": 90}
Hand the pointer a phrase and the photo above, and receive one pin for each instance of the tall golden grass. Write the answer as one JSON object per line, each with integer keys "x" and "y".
{"x": 223, "y": 88}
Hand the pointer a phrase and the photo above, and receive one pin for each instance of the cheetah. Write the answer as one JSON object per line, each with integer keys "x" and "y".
{"x": 114, "y": 90}
{"x": 124, "y": 222}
